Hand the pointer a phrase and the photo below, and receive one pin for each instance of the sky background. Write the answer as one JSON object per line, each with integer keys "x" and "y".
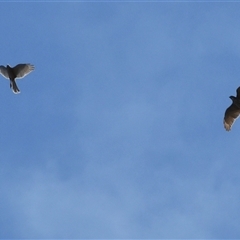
{"x": 118, "y": 132}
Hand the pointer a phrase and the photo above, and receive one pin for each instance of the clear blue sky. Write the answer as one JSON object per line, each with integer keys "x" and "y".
{"x": 118, "y": 132}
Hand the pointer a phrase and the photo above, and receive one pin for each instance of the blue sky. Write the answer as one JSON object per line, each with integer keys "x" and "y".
{"x": 118, "y": 132}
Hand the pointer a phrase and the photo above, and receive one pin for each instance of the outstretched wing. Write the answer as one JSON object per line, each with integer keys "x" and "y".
{"x": 238, "y": 92}
{"x": 230, "y": 116}
{"x": 21, "y": 70}
{"x": 4, "y": 72}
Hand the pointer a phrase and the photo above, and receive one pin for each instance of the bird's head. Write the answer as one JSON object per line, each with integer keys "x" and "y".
{"x": 233, "y": 98}
{"x": 236, "y": 101}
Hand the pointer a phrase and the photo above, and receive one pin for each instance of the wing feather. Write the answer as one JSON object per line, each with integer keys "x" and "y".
{"x": 231, "y": 114}
{"x": 238, "y": 92}
{"x": 21, "y": 70}
{"x": 4, "y": 72}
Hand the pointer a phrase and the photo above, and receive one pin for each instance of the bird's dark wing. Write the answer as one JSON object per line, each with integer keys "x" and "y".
{"x": 238, "y": 92}
{"x": 22, "y": 70}
{"x": 4, "y": 71}
{"x": 230, "y": 116}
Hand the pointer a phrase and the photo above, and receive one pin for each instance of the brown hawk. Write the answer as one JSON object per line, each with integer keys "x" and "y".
{"x": 232, "y": 112}
{"x": 19, "y": 71}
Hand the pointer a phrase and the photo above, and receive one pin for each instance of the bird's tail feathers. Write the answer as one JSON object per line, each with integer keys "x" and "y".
{"x": 14, "y": 87}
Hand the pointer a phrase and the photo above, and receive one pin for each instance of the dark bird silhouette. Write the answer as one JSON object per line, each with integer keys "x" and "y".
{"x": 19, "y": 71}
{"x": 232, "y": 112}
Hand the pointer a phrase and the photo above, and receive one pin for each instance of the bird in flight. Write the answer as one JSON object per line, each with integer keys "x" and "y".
{"x": 19, "y": 71}
{"x": 232, "y": 112}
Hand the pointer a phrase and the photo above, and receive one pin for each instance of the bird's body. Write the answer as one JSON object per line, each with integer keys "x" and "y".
{"x": 19, "y": 71}
{"x": 232, "y": 112}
